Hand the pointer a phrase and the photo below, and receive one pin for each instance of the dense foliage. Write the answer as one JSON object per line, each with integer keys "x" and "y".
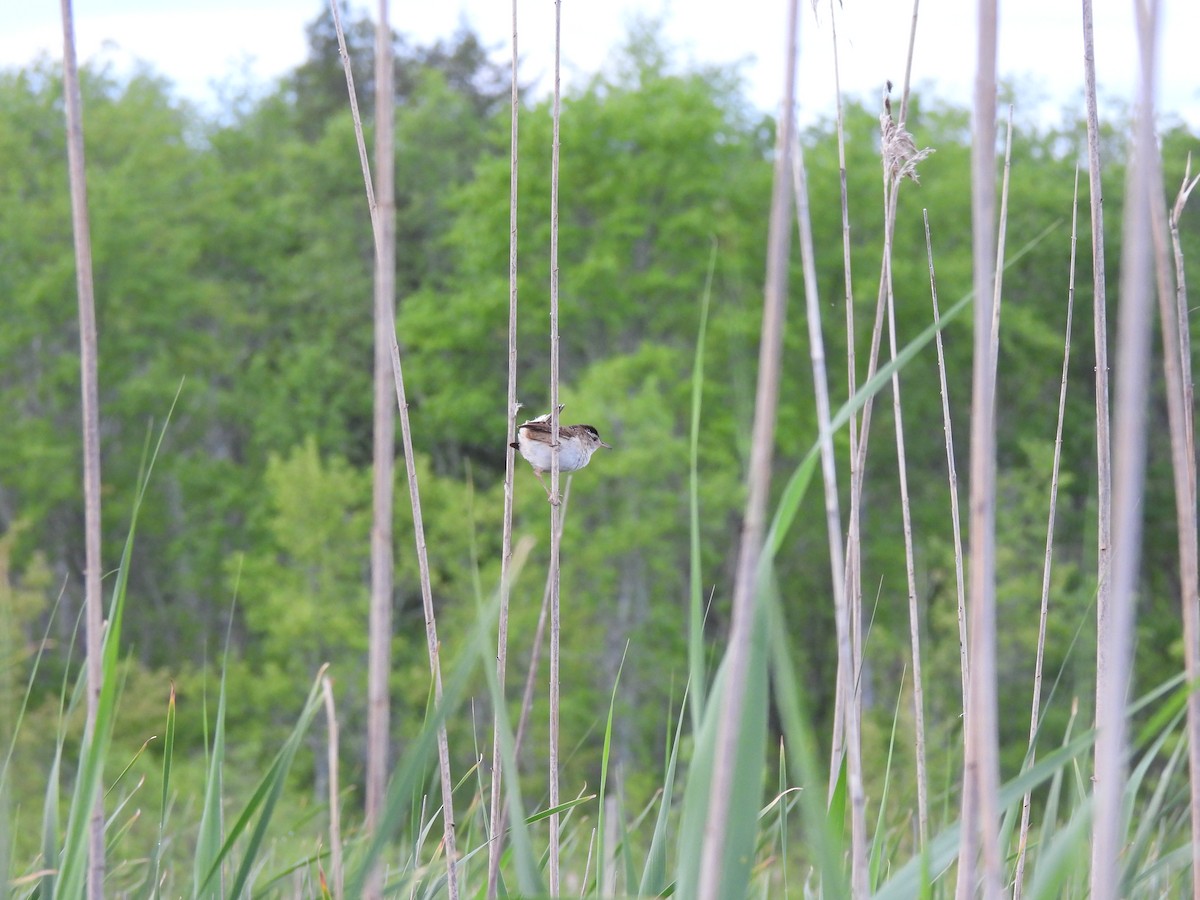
{"x": 233, "y": 266}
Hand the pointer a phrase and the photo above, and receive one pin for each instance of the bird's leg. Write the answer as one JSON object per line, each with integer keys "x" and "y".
{"x": 553, "y": 498}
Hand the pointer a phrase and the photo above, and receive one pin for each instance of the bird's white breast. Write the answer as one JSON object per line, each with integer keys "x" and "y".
{"x": 572, "y": 455}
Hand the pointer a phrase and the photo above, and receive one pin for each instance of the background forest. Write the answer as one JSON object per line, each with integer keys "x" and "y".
{"x": 233, "y": 260}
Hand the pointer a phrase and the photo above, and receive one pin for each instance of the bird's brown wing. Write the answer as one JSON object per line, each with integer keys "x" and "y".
{"x": 537, "y": 427}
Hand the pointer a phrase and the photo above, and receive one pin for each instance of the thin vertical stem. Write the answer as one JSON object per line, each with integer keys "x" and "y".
{"x": 497, "y": 836}
{"x": 1185, "y": 504}
{"x": 555, "y": 509}
{"x": 846, "y": 714}
{"x": 914, "y": 622}
{"x": 998, "y": 283}
{"x": 89, "y": 389}
{"x": 816, "y": 341}
{"x": 745, "y": 590}
{"x": 1036, "y": 705}
{"x": 539, "y": 635}
{"x": 414, "y": 491}
{"x": 535, "y": 652}
{"x": 1100, "y": 339}
{"x": 847, "y": 669}
{"x": 379, "y": 649}
{"x": 337, "y": 890}
{"x": 1177, "y": 378}
{"x": 951, "y": 471}
{"x": 697, "y": 688}
{"x": 431, "y": 638}
{"x": 912, "y": 45}
{"x": 1129, "y": 459}
{"x": 980, "y": 812}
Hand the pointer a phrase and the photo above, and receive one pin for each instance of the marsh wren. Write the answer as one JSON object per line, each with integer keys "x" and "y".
{"x": 576, "y": 444}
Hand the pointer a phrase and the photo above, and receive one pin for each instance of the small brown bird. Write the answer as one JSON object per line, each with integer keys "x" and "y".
{"x": 576, "y": 444}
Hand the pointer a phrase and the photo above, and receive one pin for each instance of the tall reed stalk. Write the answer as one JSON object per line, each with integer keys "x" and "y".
{"x": 847, "y": 741}
{"x": 496, "y": 816}
{"x": 951, "y": 468}
{"x": 89, "y": 389}
{"x": 336, "y": 871}
{"x": 900, "y": 158}
{"x": 1100, "y": 342}
{"x": 1044, "y": 611}
{"x": 747, "y": 577}
{"x": 432, "y": 644}
{"x": 379, "y": 649}
{"x": 1173, "y": 317}
{"x": 980, "y": 805}
{"x": 1185, "y": 502}
{"x": 555, "y": 506}
{"x": 816, "y": 341}
{"x": 1129, "y": 457}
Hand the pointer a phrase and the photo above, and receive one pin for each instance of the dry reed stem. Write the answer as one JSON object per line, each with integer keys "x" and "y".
{"x": 1190, "y": 578}
{"x": 951, "y": 470}
{"x": 847, "y": 719}
{"x": 912, "y": 44}
{"x": 980, "y": 805}
{"x": 414, "y": 493}
{"x": 1035, "y": 707}
{"x": 900, "y": 159}
{"x": 354, "y": 114}
{"x": 998, "y": 292}
{"x": 90, "y": 397}
{"x": 555, "y": 512}
{"x": 847, "y": 682}
{"x": 497, "y": 836}
{"x": 898, "y": 151}
{"x": 1129, "y": 457}
{"x": 1185, "y": 335}
{"x": 335, "y": 826}
{"x": 376, "y": 775}
{"x": 858, "y": 453}
{"x": 833, "y": 517}
{"x": 1100, "y": 342}
{"x": 845, "y": 733}
{"x": 1177, "y": 349}
{"x": 379, "y": 649}
{"x": 762, "y": 444}
{"x": 539, "y": 634}
{"x": 853, "y": 581}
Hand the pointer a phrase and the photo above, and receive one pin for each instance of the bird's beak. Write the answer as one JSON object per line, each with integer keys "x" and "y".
{"x": 607, "y": 446}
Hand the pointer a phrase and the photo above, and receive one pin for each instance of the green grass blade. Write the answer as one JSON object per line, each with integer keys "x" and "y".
{"x": 601, "y": 888}
{"x": 794, "y": 490}
{"x": 1068, "y": 852}
{"x": 52, "y": 800}
{"x": 165, "y": 799}
{"x": 50, "y": 807}
{"x": 943, "y": 850}
{"x": 880, "y": 838}
{"x": 269, "y": 790}
{"x": 696, "y": 594}
{"x": 742, "y": 829}
{"x": 208, "y": 842}
{"x": 72, "y": 873}
{"x": 15, "y": 727}
{"x": 262, "y": 802}
{"x": 823, "y": 826}
{"x": 409, "y": 777}
{"x": 654, "y": 874}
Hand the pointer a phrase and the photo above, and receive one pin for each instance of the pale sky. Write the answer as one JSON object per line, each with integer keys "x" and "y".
{"x": 197, "y": 43}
